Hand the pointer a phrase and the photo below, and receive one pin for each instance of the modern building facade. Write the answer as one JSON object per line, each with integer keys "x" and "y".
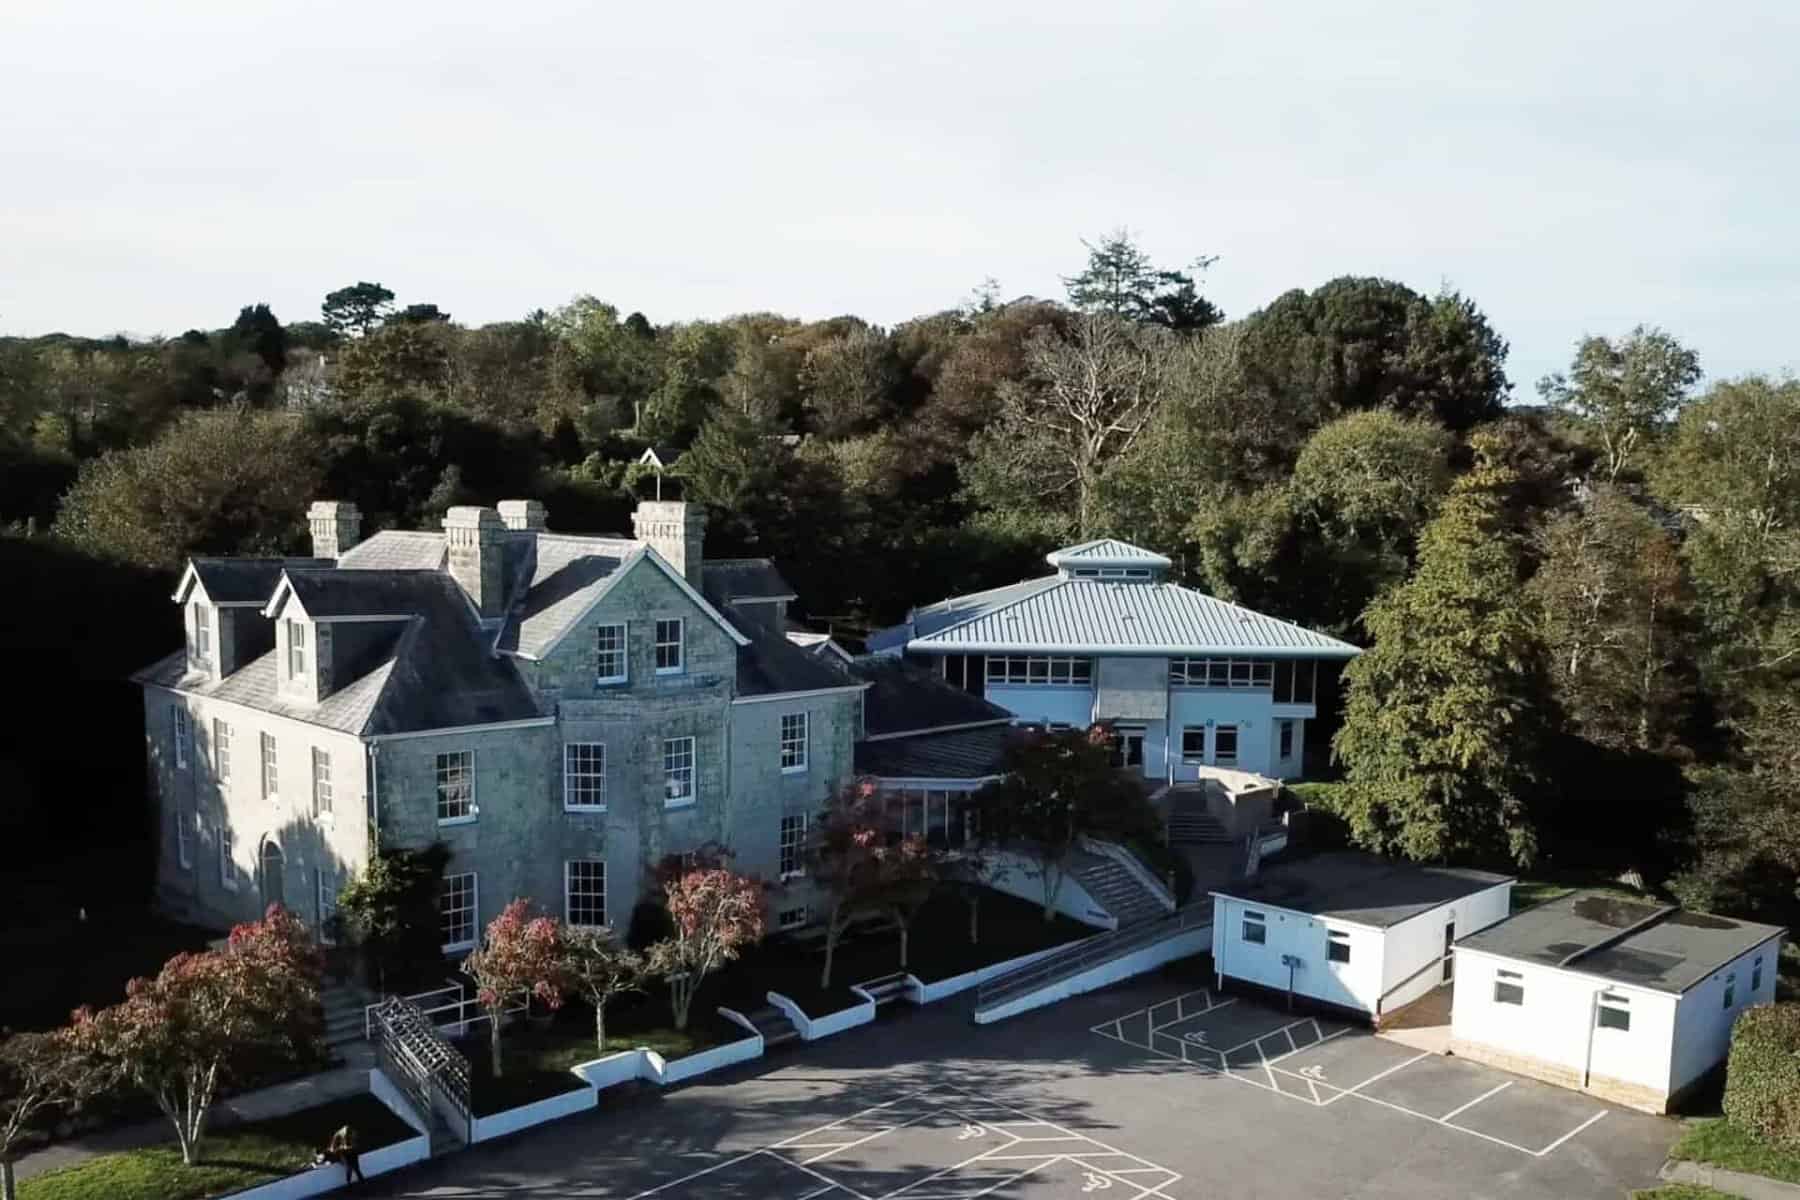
{"x": 564, "y": 712}
{"x": 1187, "y": 681}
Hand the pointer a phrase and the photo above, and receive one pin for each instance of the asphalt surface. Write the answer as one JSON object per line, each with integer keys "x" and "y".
{"x": 1150, "y": 1089}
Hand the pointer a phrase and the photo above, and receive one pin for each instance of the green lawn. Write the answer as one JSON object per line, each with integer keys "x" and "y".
{"x": 1715, "y": 1140}
{"x": 229, "y": 1160}
{"x": 1682, "y": 1191}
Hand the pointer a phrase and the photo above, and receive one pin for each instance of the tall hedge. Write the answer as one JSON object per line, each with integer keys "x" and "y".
{"x": 1762, "y": 1077}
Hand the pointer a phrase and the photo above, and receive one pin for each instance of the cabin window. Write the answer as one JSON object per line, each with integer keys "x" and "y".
{"x": 1756, "y": 975}
{"x": 1287, "y": 739}
{"x": 1256, "y": 928}
{"x": 1613, "y": 1012}
{"x": 1730, "y": 990}
{"x": 1337, "y": 945}
{"x": 1509, "y": 988}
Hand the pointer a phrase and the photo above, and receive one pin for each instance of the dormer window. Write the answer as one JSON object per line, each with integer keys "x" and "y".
{"x": 296, "y": 633}
{"x": 203, "y": 634}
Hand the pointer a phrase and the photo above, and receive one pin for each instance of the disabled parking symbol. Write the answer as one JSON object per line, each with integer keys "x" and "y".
{"x": 970, "y": 1131}
{"x": 1316, "y": 1074}
{"x": 1198, "y": 1037}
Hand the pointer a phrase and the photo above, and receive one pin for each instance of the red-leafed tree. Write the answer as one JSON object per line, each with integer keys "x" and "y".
{"x": 182, "y": 1034}
{"x": 38, "y": 1072}
{"x": 863, "y": 867}
{"x": 716, "y": 913}
{"x": 520, "y": 957}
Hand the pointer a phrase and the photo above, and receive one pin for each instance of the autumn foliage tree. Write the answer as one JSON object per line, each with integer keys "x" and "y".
{"x": 599, "y": 967}
{"x": 864, "y": 867}
{"x": 716, "y": 913}
{"x": 205, "y": 1016}
{"x": 521, "y": 956}
{"x": 38, "y": 1072}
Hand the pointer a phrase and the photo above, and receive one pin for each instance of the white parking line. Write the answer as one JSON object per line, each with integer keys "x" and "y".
{"x": 1565, "y": 1137}
{"x": 1461, "y": 1108}
{"x": 1115, "y": 1030}
{"x": 1351, "y": 1091}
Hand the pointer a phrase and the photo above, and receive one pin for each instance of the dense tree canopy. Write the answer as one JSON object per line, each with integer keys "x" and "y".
{"x": 1566, "y": 603}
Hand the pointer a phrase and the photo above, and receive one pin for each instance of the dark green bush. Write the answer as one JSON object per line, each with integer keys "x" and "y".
{"x": 1762, "y": 1076}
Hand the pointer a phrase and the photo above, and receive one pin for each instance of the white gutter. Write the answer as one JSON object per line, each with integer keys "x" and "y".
{"x": 446, "y": 731}
{"x": 928, "y": 646}
{"x": 807, "y": 695}
{"x": 931, "y": 729}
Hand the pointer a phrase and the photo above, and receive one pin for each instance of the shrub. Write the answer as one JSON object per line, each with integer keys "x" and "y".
{"x": 1762, "y": 1076}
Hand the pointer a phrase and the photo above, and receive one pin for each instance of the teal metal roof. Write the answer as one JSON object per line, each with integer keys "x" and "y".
{"x": 1096, "y": 616}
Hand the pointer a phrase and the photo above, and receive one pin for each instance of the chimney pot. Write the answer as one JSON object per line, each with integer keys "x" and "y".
{"x": 473, "y": 537}
{"x": 336, "y": 526}
{"x": 524, "y": 514}
{"x": 676, "y": 530}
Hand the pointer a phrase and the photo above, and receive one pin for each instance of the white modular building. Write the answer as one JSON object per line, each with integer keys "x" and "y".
{"x": 1349, "y": 931}
{"x": 1187, "y": 681}
{"x": 1628, "y": 1000}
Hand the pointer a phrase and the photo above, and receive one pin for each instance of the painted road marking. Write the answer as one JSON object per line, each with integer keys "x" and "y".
{"x": 1314, "y": 1077}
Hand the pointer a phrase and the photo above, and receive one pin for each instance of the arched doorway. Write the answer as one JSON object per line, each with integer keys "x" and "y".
{"x": 274, "y": 876}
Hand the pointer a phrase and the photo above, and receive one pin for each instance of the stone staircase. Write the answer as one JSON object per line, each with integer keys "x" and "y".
{"x": 886, "y": 990}
{"x": 344, "y": 1004}
{"x": 1190, "y": 824}
{"x": 773, "y": 1025}
{"x": 1116, "y": 889}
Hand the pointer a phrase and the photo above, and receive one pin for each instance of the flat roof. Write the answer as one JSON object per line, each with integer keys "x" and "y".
{"x": 1360, "y": 888}
{"x": 1623, "y": 941}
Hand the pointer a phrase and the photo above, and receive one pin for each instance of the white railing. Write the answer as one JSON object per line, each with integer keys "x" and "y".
{"x": 1090, "y": 952}
{"x": 446, "y": 999}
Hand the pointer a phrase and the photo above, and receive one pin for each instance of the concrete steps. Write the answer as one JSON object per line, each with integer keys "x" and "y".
{"x": 773, "y": 1025}
{"x": 1117, "y": 890}
{"x": 886, "y": 990}
{"x": 344, "y": 1005}
{"x": 1196, "y": 827}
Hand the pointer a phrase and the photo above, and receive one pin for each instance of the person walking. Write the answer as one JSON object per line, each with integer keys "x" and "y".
{"x": 342, "y": 1148}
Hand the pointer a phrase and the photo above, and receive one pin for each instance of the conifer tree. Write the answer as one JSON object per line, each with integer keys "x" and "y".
{"x": 1443, "y": 715}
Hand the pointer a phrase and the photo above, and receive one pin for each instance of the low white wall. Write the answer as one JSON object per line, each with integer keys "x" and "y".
{"x": 730, "y": 1054}
{"x": 1188, "y": 941}
{"x": 1018, "y": 875}
{"x": 812, "y": 1030}
{"x": 614, "y": 1069}
{"x": 920, "y": 992}
{"x": 578, "y": 1099}
{"x": 317, "y": 1181}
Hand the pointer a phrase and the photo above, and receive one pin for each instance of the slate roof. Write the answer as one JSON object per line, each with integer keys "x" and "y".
{"x": 726, "y": 579}
{"x": 1094, "y": 616}
{"x": 433, "y": 672}
{"x": 972, "y": 754}
{"x": 396, "y": 550}
{"x": 1359, "y": 889}
{"x": 1623, "y": 941}
{"x": 243, "y": 580}
{"x": 350, "y": 593}
{"x": 904, "y": 698}
{"x": 553, "y": 579}
{"x": 770, "y": 664}
{"x": 1109, "y": 552}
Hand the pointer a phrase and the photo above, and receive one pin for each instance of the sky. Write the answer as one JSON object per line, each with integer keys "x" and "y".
{"x": 1575, "y": 167}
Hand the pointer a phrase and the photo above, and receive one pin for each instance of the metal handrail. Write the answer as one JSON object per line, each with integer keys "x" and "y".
{"x": 1091, "y": 951}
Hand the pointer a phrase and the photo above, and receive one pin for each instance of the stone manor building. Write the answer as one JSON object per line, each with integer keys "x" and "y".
{"x": 562, "y": 711}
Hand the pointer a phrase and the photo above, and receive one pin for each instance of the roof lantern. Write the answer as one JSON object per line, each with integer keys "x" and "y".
{"x": 1108, "y": 558}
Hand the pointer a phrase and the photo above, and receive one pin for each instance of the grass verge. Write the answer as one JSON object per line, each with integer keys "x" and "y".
{"x": 1681, "y": 1191}
{"x": 1717, "y": 1141}
{"x": 229, "y": 1160}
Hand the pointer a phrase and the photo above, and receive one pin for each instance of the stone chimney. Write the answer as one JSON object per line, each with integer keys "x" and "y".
{"x": 336, "y": 526}
{"x": 473, "y": 537}
{"x": 524, "y": 514}
{"x": 675, "y": 529}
